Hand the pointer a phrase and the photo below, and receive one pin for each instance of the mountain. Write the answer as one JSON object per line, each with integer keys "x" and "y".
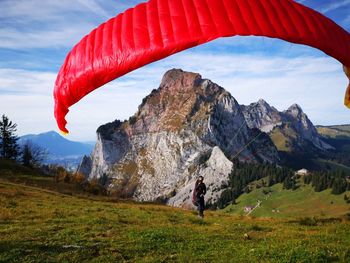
{"x": 191, "y": 126}
{"x": 290, "y": 130}
{"x": 187, "y": 127}
{"x": 262, "y": 116}
{"x": 301, "y": 144}
{"x": 60, "y": 150}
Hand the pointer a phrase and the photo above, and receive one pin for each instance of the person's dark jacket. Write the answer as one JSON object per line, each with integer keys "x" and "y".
{"x": 201, "y": 190}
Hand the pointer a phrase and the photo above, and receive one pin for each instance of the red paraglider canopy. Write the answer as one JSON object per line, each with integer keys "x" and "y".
{"x": 159, "y": 28}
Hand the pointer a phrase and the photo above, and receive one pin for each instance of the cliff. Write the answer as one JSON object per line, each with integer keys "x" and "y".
{"x": 187, "y": 127}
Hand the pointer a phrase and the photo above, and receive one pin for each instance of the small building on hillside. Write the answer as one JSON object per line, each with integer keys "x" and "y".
{"x": 302, "y": 172}
{"x": 248, "y": 208}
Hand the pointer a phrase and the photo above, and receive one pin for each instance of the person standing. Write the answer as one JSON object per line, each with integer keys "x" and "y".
{"x": 200, "y": 190}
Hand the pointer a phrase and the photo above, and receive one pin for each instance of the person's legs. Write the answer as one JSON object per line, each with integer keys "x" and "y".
{"x": 201, "y": 207}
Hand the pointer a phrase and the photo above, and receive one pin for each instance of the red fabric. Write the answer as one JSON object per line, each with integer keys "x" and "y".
{"x": 159, "y": 28}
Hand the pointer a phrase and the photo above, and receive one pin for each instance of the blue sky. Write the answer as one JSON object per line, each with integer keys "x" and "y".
{"x": 35, "y": 37}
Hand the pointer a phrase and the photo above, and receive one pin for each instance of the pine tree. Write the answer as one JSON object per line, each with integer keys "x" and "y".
{"x": 270, "y": 181}
{"x": 9, "y": 148}
{"x": 339, "y": 186}
{"x": 289, "y": 183}
{"x": 26, "y": 156}
{"x": 307, "y": 179}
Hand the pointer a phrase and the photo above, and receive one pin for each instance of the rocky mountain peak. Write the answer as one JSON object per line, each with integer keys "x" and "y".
{"x": 266, "y": 118}
{"x": 263, "y": 103}
{"x": 261, "y": 115}
{"x": 296, "y": 114}
{"x": 295, "y": 110}
{"x": 187, "y": 127}
{"x": 181, "y": 97}
{"x": 179, "y": 79}
{"x": 295, "y": 106}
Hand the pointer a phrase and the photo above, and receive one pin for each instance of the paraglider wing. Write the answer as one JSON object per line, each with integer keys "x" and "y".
{"x": 347, "y": 94}
{"x": 159, "y": 28}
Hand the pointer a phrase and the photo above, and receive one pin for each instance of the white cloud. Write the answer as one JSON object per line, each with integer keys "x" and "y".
{"x": 32, "y": 113}
{"x": 335, "y": 5}
{"x": 63, "y": 37}
{"x": 42, "y": 24}
{"x": 35, "y": 10}
{"x": 301, "y": 1}
{"x": 317, "y": 84}
{"x": 38, "y": 10}
{"x": 273, "y": 71}
{"x": 95, "y": 7}
{"x": 51, "y": 24}
{"x": 26, "y": 97}
{"x": 24, "y": 82}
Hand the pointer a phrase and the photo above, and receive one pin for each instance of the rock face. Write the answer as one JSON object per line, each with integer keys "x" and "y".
{"x": 188, "y": 127}
{"x": 304, "y": 127}
{"x": 215, "y": 172}
{"x": 262, "y": 116}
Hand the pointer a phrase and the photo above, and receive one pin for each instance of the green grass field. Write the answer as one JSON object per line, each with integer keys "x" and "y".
{"x": 282, "y": 139}
{"x": 42, "y": 225}
{"x": 302, "y": 202}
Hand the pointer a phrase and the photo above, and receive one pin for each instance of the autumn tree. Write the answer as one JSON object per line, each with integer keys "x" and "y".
{"x": 33, "y": 155}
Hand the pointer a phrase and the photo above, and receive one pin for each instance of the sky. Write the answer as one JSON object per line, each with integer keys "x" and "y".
{"x": 36, "y": 35}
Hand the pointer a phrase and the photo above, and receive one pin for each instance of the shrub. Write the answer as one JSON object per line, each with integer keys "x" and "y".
{"x": 78, "y": 178}
{"x": 308, "y": 221}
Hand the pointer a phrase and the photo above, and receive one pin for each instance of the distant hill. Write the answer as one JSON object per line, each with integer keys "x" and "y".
{"x": 339, "y": 137}
{"x": 290, "y": 130}
{"x": 300, "y": 143}
{"x": 60, "y": 149}
{"x": 277, "y": 202}
{"x": 334, "y": 131}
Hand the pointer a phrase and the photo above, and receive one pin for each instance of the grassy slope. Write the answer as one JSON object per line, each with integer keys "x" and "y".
{"x": 16, "y": 173}
{"x": 303, "y": 201}
{"x": 42, "y": 221}
{"x": 40, "y": 225}
{"x": 334, "y": 131}
{"x": 282, "y": 138}
{"x": 337, "y": 136}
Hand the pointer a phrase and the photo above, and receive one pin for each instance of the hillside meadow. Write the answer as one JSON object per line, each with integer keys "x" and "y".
{"x": 277, "y": 202}
{"x": 43, "y": 225}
